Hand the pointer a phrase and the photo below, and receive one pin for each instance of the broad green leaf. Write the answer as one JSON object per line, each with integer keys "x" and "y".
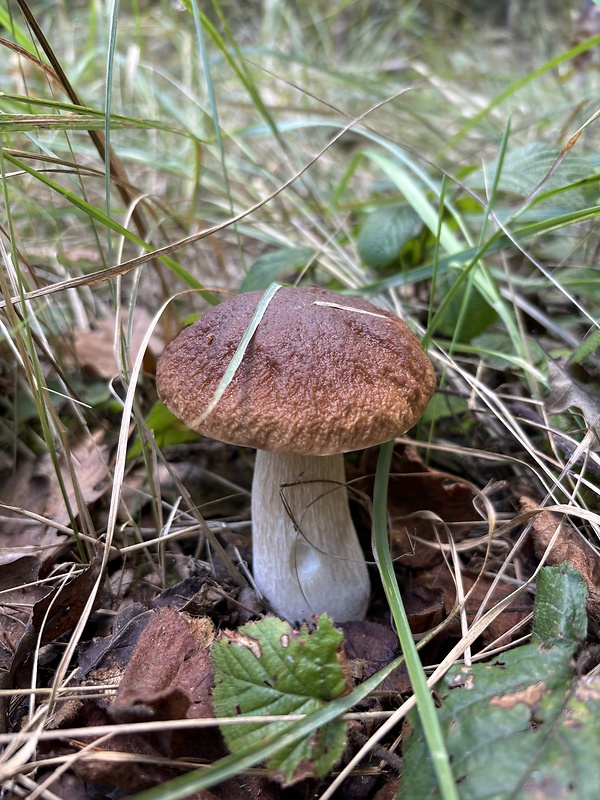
{"x": 560, "y": 609}
{"x": 270, "y": 267}
{"x": 524, "y": 167}
{"x": 442, "y": 406}
{"x": 384, "y": 233}
{"x": 584, "y": 281}
{"x": 268, "y": 668}
{"x": 495, "y": 347}
{"x": 468, "y": 314}
{"x": 523, "y": 725}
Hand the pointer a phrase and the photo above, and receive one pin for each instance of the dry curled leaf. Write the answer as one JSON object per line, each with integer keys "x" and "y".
{"x": 569, "y": 546}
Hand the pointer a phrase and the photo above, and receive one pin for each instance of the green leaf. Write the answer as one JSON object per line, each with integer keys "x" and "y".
{"x": 495, "y": 346}
{"x": 524, "y": 167}
{"x": 386, "y": 231}
{"x": 270, "y": 267}
{"x": 268, "y": 668}
{"x": 167, "y": 430}
{"x": 467, "y": 314}
{"x": 589, "y": 346}
{"x": 524, "y": 725}
{"x": 583, "y": 281}
{"x": 560, "y": 610}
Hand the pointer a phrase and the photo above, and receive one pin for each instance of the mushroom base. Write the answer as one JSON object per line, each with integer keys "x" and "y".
{"x": 307, "y": 559}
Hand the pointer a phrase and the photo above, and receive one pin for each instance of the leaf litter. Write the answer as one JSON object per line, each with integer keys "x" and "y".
{"x": 147, "y": 655}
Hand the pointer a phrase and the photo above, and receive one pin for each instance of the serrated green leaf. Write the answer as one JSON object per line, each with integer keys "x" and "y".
{"x": 385, "y": 232}
{"x": 560, "y": 610}
{"x": 522, "y": 726}
{"x": 268, "y": 668}
{"x": 270, "y": 267}
{"x": 524, "y": 167}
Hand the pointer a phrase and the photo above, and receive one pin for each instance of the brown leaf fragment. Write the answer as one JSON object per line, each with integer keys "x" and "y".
{"x": 476, "y": 588}
{"x": 370, "y": 646}
{"x": 89, "y": 459}
{"x": 421, "y": 503}
{"x": 61, "y": 609}
{"x": 169, "y": 675}
{"x": 389, "y": 790}
{"x": 94, "y": 347}
{"x": 50, "y": 610}
{"x": 27, "y": 489}
{"x": 425, "y": 607}
{"x": 569, "y": 546}
{"x": 16, "y": 569}
{"x": 114, "y": 652}
{"x": 18, "y": 595}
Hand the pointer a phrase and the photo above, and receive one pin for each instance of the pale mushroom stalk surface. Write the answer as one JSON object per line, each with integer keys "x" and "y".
{"x": 322, "y": 375}
{"x": 312, "y": 548}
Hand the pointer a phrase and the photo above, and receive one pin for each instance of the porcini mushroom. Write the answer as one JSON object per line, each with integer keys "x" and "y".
{"x": 322, "y": 375}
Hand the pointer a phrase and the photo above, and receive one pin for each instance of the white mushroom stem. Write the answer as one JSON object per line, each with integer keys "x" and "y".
{"x": 306, "y": 555}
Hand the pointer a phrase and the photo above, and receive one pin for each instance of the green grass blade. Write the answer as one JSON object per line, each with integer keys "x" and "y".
{"x": 553, "y": 63}
{"x": 102, "y": 218}
{"x": 425, "y": 705}
{"x": 110, "y": 62}
{"x": 237, "y": 357}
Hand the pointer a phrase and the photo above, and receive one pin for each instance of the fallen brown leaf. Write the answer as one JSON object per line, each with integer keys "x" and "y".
{"x": 370, "y": 646}
{"x": 89, "y": 458}
{"x": 476, "y": 588}
{"x": 28, "y": 489}
{"x": 569, "y": 546}
{"x": 421, "y": 502}
{"x": 61, "y": 609}
{"x": 94, "y": 347}
{"x": 170, "y": 673}
{"x": 160, "y": 660}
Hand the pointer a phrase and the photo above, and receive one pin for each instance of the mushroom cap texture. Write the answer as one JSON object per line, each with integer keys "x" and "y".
{"x": 315, "y": 379}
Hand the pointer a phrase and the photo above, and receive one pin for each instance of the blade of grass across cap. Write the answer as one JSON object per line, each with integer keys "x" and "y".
{"x": 424, "y": 700}
{"x": 241, "y": 349}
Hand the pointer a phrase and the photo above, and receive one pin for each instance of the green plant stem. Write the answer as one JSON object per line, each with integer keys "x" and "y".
{"x": 425, "y": 706}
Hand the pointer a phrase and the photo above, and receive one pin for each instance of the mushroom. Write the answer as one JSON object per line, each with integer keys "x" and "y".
{"x": 322, "y": 375}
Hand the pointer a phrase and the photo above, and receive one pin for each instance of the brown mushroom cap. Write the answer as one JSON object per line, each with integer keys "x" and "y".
{"x": 315, "y": 379}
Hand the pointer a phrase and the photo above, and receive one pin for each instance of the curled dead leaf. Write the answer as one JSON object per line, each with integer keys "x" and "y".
{"x": 569, "y": 546}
